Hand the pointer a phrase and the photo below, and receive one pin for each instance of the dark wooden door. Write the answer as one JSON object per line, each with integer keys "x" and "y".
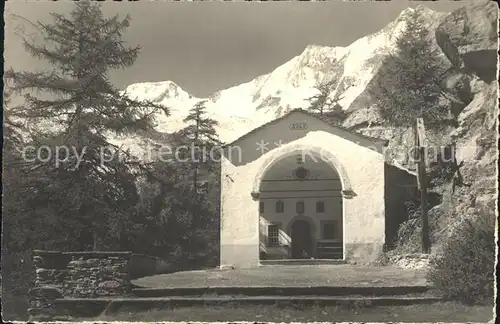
{"x": 301, "y": 240}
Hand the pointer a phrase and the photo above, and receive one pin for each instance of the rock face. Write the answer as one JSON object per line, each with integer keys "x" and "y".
{"x": 476, "y": 148}
{"x": 468, "y": 37}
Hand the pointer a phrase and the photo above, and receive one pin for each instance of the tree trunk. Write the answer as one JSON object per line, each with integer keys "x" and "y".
{"x": 96, "y": 242}
{"x": 195, "y": 211}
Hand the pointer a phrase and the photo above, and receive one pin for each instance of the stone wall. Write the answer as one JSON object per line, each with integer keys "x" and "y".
{"x": 76, "y": 275}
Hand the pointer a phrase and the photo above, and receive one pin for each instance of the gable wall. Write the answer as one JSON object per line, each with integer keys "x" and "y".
{"x": 245, "y": 149}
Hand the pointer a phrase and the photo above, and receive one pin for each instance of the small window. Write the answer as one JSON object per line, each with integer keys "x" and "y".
{"x": 273, "y": 235}
{"x": 329, "y": 230}
{"x": 300, "y": 207}
{"x": 320, "y": 207}
{"x": 280, "y": 207}
{"x": 447, "y": 153}
{"x": 261, "y": 207}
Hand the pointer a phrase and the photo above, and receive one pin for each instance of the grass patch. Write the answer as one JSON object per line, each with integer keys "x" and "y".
{"x": 437, "y": 312}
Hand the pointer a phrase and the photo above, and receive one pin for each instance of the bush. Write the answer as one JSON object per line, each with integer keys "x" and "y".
{"x": 409, "y": 237}
{"x": 443, "y": 166}
{"x": 464, "y": 270}
{"x": 17, "y": 278}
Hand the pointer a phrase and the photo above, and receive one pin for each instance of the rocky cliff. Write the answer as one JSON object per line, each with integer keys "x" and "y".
{"x": 468, "y": 37}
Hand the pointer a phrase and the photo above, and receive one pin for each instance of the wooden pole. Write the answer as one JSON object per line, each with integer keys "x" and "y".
{"x": 423, "y": 201}
{"x": 422, "y": 183}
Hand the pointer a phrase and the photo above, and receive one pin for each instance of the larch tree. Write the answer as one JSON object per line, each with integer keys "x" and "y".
{"x": 412, "y": 83}
{"x": 326, "y": 108}
{"x": 410, "y": 88}
{"x": 201, "y": 135}
{"x": 320, "y": 102}
{"x": 72, "y": 109}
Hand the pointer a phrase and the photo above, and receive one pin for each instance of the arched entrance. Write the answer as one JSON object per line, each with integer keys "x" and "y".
{"x": 301, "y": 208}
{"x": 260, "y": 169}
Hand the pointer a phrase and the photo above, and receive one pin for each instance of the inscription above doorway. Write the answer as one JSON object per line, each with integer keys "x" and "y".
{"x": 298, "y": 126}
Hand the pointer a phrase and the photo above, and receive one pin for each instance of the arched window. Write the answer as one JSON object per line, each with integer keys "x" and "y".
{"x": 280, "y": 207}
{"x": 320, "y": 207}
{"x": 261, "y": 207}
{"x": 300, "y": 207}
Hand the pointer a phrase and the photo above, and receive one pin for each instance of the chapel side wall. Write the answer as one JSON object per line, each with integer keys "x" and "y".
{"x": 239, "y": 236}
{"x": 364, "y": 214}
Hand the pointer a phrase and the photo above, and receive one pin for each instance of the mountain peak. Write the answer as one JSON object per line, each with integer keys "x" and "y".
{"x": 153, "y": 85}
{"x": 157, "y": 91}
{"x": 422, "y": 11}
{"x": 314, "y": 49}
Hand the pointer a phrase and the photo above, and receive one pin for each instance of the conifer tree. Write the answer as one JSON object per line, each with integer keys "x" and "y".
{"x": 201, "y": 128}
{"x": 11, "y": 129}
{"x": 411, "y": 86}
{"x": 82, "y": 108}
{"x": 320, "y": 102}
{"x": 326, "y": 108}
{"x": 201, "y": 135}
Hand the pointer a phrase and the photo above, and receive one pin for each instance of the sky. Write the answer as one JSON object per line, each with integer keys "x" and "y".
{"x": 208, "y": 46}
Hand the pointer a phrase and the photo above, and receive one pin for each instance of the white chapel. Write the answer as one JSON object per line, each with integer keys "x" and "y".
{"x": 299, "y": 188}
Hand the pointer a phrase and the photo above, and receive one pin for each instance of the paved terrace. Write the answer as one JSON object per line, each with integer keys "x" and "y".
{"x": 344, "y": 275}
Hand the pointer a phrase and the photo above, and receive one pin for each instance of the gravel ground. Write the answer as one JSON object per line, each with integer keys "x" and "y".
{"x": 289, "y": 275}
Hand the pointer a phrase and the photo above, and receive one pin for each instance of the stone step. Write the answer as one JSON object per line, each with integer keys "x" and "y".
{"x": 329, "y": 248}
{"x": 332, "y": 255}
{"x": 281, "y": 291}
{"x": 302, "y": 261}
{"x": 91, "y": 307}
{"x": 327, "y": 244}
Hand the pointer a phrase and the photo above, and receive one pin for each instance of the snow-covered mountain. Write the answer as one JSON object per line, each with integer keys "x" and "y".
{"x": 244, "y": 107}
{"x": 354, "y": 71}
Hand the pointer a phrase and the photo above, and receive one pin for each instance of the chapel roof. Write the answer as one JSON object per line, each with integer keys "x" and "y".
{"x": 305, "y": 112}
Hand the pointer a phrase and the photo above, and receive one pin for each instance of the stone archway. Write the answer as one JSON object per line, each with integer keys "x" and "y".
{"x": 359, "y": 165}
{"x": 273, "y": 221}
{"x": 292, "y": 149}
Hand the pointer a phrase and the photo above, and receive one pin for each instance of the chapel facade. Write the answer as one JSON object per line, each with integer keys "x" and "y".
{"x": 299, "y": 188}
